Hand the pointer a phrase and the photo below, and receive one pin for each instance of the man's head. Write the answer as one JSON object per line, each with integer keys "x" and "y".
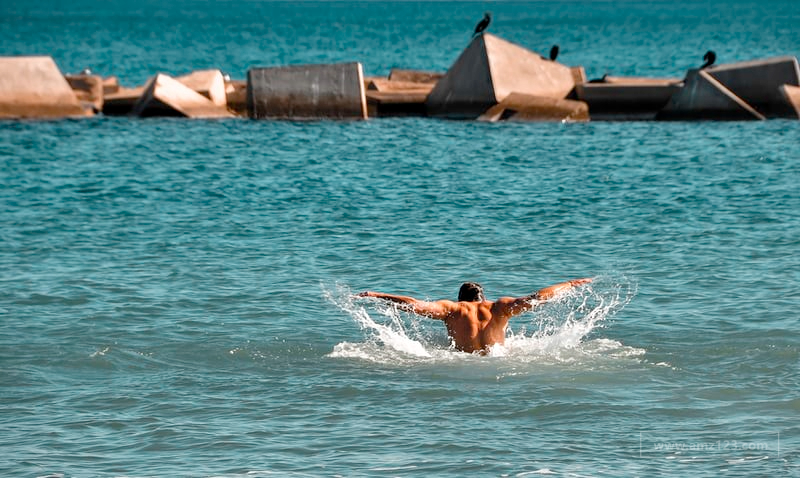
{"x": 471, "y": 292}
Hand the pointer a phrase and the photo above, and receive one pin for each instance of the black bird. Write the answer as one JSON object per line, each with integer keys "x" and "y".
{"x": 554, "y": 53}
{"x": 481, "y": 26}
{"x": 710, "y": 57}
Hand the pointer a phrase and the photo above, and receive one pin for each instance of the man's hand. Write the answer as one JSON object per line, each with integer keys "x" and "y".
{"x": 549, "y": 292}
{"x": 577, "y": 282}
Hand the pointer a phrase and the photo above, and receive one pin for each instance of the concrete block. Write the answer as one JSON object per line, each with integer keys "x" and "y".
{"x": 166, "y": 96}
{"x": 792, "y": 95}
{"x": 522, "y": 107}
{"x": 395, "y": 103}
{"x": 33, "y": 87}
{"x": 307, "y": 92}
{"x": 122, "y": 101}
{"x": 414, "y": 76}
{"x": 236, "y": 94}
{"x": 637, "y": 100}
{"x": 110, "y": 85}
{"x": 704, "y": 98}
{"x": 638, "y": 80}
{"x": 209, "y": 83}
{"x": 758, "y": 83}
{"x": 579, "y": 75}
{"x": 383, "y": 85}
{"x": 490, "y": 69}
{"x": 89, "y": 90}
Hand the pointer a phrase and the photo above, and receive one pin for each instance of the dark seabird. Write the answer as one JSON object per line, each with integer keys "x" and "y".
{"x": 554, "y": 53}
{"x": 481, "y": 26}
{"x": 710, "y": 57}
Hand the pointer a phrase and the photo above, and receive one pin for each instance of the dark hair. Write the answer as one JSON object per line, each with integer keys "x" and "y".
{"x": 471, "y": 292}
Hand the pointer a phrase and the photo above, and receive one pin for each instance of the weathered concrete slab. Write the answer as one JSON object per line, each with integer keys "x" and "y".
{"x": 209, "y": 83}
{"x": 384, "y": 85}
{"x": 640, "y": 80}
{"x": 33, "y": 87}
{"x": 166, "y": 96}
{"x": 307, "y": 92}
{"x": 704, "y": 98}
{"x": 792, "y": 95}
{"x": 381, "y": 104}
{"x": 414, "y": 76}
{"x": 522, "y": 107}
{"x": 637, "y": 100}
{"x": 236, "y": 94}
{"x": 89, "y": 91}
{"x": 579, "y": 75}
{"x": 122, "y": 101}
{"x": 490, "y": 69}
{"x": 758, "y": 83}
{"x": 110, "y": 85}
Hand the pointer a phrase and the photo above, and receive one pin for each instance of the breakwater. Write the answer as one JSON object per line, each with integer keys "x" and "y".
{"x": 491, "y": 80}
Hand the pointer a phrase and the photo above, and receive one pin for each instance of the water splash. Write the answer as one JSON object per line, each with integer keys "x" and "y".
{"x": 560, "y": 331}
{"x": 392, "y": 335}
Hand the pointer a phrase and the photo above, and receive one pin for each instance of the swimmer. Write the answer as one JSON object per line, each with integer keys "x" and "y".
{"x": 473, "y": 323}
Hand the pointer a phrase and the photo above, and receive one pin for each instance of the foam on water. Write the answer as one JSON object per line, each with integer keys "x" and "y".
{"x": 559, "y": 331}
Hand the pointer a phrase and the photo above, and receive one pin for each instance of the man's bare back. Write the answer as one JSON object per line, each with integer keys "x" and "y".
{"x": 474, "y": 323}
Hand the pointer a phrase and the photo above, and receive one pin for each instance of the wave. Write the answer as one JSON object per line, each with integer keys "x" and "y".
{"x": 562, "y": 330}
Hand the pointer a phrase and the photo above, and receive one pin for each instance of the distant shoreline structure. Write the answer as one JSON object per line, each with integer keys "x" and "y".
{"x": 491, "y": 80}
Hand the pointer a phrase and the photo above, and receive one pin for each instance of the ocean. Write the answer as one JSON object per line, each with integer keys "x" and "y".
{"x": 177, "y": 297}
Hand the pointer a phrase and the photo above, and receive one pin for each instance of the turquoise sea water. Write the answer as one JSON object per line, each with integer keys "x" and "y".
{"x": 175, "y": 296}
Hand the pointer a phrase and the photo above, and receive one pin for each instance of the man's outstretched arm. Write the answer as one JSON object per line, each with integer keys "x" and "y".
{"x": 552, "y": 291}
{"x": 509, "y": 306}
{"x": 435, "y": 310}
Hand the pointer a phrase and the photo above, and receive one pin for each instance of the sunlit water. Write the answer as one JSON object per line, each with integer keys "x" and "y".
{"x": 176, "y": 297}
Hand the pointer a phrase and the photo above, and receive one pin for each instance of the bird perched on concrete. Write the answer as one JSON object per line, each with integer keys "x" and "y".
{"x": 554, "y": 53}
{"x": 710, "y": 57}
{"x": 481, "y": 26}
